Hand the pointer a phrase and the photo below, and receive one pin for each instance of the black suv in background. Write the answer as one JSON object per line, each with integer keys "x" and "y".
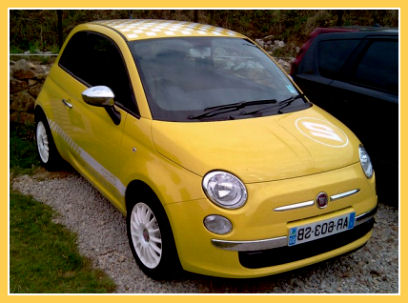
{"x": 353, "y": 74}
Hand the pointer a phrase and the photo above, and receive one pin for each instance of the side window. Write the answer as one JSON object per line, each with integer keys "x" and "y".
{"x": 378, "y": 67}
{"x": 96, "y": 60}
{"x": 75, "y": 55}
{"x": 333, "y": 54}
{"x": 106, "y": 67}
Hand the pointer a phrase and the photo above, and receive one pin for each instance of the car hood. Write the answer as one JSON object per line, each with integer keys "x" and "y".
{"x": 260, "y": 149}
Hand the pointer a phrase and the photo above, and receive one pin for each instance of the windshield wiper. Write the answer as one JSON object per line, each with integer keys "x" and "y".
{"x": 285, "y": 103}
{"x": 281, "y": 104}
{"x": 221, "y": 109}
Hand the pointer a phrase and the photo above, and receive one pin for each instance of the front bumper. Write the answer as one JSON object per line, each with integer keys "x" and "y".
{"x": 258, "y": 240}
{"x": 363, "y": 222}
{"x": 287, "y": 254}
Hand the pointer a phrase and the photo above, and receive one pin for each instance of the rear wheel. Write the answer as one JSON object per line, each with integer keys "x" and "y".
{"x": 47, "y": 151}
{"x": 151, "y": 240}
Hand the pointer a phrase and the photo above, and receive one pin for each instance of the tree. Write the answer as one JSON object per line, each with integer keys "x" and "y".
{"x": 59, "y": 28}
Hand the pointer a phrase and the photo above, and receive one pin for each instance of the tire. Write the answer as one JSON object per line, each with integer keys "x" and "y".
{"x": 47, "y": 151}
{"x": 151, "y": 240}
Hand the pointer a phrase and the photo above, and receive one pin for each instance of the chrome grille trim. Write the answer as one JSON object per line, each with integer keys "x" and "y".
{"x": 294, "y": 206}
{"x": 345, "y": 194}
{"x": 311, "y": 202}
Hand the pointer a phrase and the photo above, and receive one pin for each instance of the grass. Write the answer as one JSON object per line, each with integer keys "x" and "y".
{"x": 23, "y": 152}
{"x": 44, "y": 257}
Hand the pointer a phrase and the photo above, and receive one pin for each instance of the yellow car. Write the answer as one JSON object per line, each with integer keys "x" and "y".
{"x": 221, "y": 165}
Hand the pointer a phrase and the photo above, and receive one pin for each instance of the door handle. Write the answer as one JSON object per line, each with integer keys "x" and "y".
{"x": 66, "y": 103}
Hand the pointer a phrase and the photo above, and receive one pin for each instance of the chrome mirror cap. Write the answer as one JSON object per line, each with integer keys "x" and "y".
{"x": 99, "y": 96}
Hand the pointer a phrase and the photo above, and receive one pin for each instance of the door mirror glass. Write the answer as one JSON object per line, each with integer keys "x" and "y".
{"x": 99, "y": 96}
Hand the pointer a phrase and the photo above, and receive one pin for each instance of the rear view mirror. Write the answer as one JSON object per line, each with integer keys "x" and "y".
{"x": 99, "y": 96}
{"x": 102, "y": 96}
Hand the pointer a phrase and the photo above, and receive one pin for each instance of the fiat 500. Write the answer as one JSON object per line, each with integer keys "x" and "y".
{"x": 219, "y": 162}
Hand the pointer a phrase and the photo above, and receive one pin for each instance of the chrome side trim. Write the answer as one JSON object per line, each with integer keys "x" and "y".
{"x": 294, "y": 206}
{"x": 79, "y": 151}
{"x": 275, "y": 242}
{"x": 345, "y": 194}
{"x": 251, "y": 245}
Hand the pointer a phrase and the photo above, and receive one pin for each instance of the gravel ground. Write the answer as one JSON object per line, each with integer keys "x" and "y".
{"x": 102, "y": 237}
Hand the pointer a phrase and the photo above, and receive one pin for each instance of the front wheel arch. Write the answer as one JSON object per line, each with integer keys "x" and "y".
{"x": 38, "y": 113}
{"x": 169, "y": 267}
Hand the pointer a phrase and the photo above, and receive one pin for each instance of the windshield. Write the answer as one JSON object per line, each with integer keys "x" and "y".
{"x": 184, "y": 77}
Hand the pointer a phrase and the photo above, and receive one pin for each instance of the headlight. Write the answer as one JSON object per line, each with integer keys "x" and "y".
{"x": 224, "y": 189}
{"x": 365, "y": 162}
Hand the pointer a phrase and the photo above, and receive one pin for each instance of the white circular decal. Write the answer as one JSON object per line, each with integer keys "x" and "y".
{"x": 322, "y": 131}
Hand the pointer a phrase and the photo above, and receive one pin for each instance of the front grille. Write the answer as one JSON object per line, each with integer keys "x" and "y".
{"x": 282, "y": 255}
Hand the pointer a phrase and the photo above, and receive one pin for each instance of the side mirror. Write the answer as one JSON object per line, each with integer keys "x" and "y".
{"x": 102, "y": 96}
{"x": 99, "y": 96}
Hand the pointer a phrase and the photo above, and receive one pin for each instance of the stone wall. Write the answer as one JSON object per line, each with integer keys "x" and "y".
{"x": 273, "y": 46}
{"x": 26, "y": 80}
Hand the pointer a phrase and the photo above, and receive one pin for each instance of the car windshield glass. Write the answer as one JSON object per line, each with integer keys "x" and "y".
{"x": 183, "y": 77}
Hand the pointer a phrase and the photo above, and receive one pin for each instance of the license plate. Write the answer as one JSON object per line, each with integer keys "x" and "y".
{"x": 321, "y": 229}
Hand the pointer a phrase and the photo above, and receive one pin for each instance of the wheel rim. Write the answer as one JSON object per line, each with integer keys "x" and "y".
{"x": 42, "y": 142}
{"x": 146, "y": 236}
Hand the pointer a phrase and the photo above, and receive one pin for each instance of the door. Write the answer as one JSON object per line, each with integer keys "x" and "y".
{"x": 92, "y": 59}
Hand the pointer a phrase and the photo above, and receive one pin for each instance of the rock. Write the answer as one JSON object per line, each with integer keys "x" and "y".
{"x": 279, "y": 43}
{"x": 22, "y": 117}
{"x": 269, "y": 38}
{"x": 42, "y": 71}
{"x": 31, "y": 82}
{"x": 35, "y": 90}
{"x": 24, "y": 69}
{"x": 260, "y": 42}
{"x": 374, "y": 272}
{"x": 284, "y": 64}
{"x": 22, "y": 102}
{"x": 17, "y": 85}
{"x": 268, "y": 47}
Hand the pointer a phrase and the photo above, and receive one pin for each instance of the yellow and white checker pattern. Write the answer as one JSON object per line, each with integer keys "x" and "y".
{"x": 134, "y": 29}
